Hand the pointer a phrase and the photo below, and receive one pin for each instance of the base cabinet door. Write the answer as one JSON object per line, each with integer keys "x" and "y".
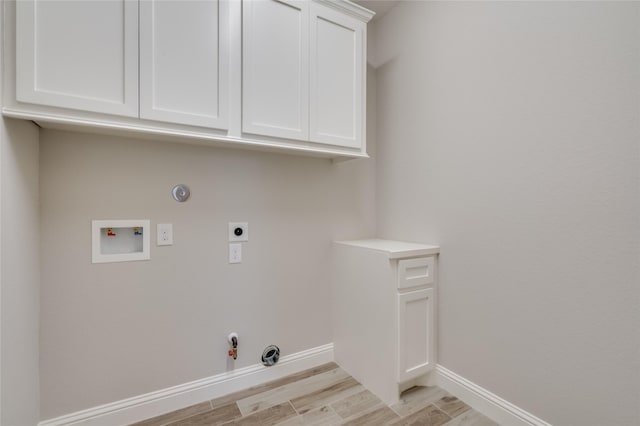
{"x": 80, "y": 55}
{"x": 184, "y": 62}
{"x": 415, "y": 333}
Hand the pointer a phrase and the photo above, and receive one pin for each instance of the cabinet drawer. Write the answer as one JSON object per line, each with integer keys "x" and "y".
{"x": 415, "y": 272}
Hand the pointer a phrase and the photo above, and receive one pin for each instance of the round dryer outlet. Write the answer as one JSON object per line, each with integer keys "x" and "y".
{"x": 270, "y": 355}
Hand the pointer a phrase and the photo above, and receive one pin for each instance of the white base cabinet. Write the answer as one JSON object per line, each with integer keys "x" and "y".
{"x": 383, "y": 313}
{"x": 267, "y": 74}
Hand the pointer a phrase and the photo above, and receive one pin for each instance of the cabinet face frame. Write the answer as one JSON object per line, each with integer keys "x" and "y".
{"x": 259, "y": 100}
{"x": 407, "y": 342}
{"x": 124, "y": 102}
{"x": 218, "y": 104}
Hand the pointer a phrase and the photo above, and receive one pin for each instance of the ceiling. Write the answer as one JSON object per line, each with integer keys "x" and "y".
{"x": 380, "y": 7}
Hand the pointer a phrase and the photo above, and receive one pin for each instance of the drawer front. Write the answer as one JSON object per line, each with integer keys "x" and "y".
{"x": 416, "y": 272}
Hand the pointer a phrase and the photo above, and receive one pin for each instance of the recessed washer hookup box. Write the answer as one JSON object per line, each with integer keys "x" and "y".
{"x": 119, "y": 240}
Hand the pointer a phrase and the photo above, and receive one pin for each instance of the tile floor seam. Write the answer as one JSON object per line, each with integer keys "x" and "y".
{"x": 443, "y": 407}
{"x": 399, "y": 415}
{"x": 380, "y": 406}
{"x": 443, "y": 412}
{"x": 294, "y": 408}
{"x": 425, "y": 408}
{"x": 326, "y": 400}
{"x": 369, "y": 410}
{"x": 279, "y": 395}
{"x": 446, "y": 414}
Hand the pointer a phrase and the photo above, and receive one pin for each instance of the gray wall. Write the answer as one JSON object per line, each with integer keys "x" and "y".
{"x": 112, "y": 331}
{"x": 509, "y": 133}
{"x": 19, "y": 273}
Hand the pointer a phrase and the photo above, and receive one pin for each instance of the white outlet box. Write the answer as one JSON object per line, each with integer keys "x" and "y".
{"x": 235, "y": 253}
{"x": 238, "y": 231}
{"x": 165, "y": 234}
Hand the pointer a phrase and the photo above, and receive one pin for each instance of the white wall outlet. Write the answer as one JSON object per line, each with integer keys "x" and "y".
{"x": 238, "y": 231}
{"x": 235, "y": 253}
{"x": 165, "y": 234}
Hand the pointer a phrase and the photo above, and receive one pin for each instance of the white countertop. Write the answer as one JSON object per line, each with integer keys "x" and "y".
{"x": 395, "y": 249}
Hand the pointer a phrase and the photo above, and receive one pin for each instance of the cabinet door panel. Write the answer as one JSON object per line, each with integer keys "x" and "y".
{"x": 336, "y": 78}
{"x": 78, "y": 54}
{"x": 275, "y": 67}
{"x": 415, "y": 333}
{"x": 184, "y": 61}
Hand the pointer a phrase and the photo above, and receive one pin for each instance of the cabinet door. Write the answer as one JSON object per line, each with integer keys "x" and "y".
{"x": 415, "y": 333}
{"x": 184, "y": 62}
{"x": 78, "y": 54}
{"x": 275, "y": 68}
{"x": 337, "y": 78}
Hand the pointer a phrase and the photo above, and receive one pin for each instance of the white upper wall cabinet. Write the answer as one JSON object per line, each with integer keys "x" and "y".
{"x": 184, "y": 62}
{"x": 275, "y": 68}
{"x": 264, "y": 74}
{"x": 303, "y": 72}
{"x": 337, "y": 77}
{"x": 80, "y": 55}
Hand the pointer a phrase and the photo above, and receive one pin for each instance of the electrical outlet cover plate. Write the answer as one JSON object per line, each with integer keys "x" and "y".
{"x": 164, "y": 234}
{"x": 235, "y": 253}
{"x": 244, "y": 233}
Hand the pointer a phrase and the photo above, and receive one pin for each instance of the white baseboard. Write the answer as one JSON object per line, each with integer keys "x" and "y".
{"x": 152, "y": 404}
{"x": 480, "y": 399}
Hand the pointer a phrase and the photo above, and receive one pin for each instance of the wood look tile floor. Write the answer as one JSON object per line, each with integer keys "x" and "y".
{"x": 325, "y": 395}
